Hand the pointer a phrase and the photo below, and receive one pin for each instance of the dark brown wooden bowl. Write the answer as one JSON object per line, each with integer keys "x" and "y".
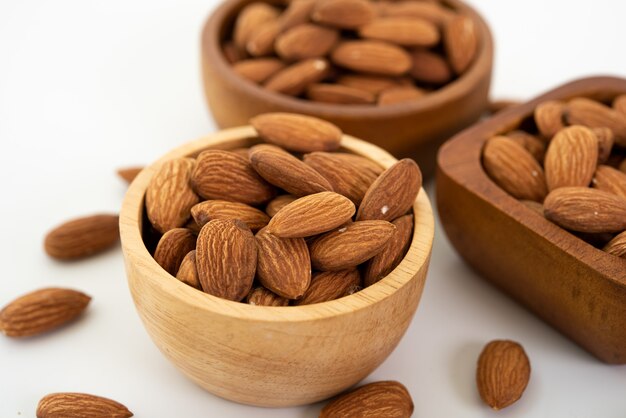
{"x": 410, "y": 129}
{"x": 576, "y": 288}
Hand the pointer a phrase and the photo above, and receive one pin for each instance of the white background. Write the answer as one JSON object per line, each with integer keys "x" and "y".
{"x": 88, "y": 86}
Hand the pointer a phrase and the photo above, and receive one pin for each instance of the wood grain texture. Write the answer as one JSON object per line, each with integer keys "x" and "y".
{"x": 256, "y": 355}
{"x": 576, "y": 288}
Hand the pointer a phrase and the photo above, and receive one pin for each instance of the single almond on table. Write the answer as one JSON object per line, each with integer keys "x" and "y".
{"x": 187, "y": 272}
{"x": 294, "y": 80}
{"x": 461, "y": 42}
{"x": 571, "y": 158}
{"x": 371, "y": 83}
{"x": 224, "y": 175}
{"x": 386, "y": 399}
{"x": 41, "y": 311}
{"x": 610, "y": 180}
{"x": 306, "y": 41}
{"x": 128, "y": 174}
{"x": 350, "y": 245}
{"x": 329, "y": 285}
{"x": 344, "y": 14}
{"x": 606, "y": 140}
{"x": 502, "y": 374}
{"x": 549, "y": 117}
{"x": 80, "y": 405}
{"x": 429, "y": 67}
{"x": 82, "y": 237}
{"x": 297, "y": 133}
{"x": 169, "y": 196}
{"x": 393, "y": 193}
{"x": 514, "y": 169}
{"x": 405, "y": 31}
{"x": 296, "y": 13}
{"x": 375, "y": 57}
{"x": 251, "y": 17}
{"x": 338, "y": 94}
{"x": 392, "y": 254}
{"x": 433, "y": 12}
{"x": 399, "y": 94}
{"x": 530, "y": 142}
{"x": 312, "y": 215}
{"x": 173, "y": 246}
{"x": 226, "y": 259}
{"x": 617, "y": 246}
{"x": 278, "y": 203}
{"x": 261, "y": 41}
{"x": 587, "y": 112}
{"x": 258, "y": 70}
{"x": 260, "y": 296}
{"x": 205, "y": 211}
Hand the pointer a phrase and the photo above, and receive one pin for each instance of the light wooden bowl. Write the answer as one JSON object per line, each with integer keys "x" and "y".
{"x": 272, "y": 356}
{"x": 576, "y": 288}
{"x": 411, "y": 129}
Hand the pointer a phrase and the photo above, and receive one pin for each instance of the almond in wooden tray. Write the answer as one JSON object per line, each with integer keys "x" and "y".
{"x": 351, "y": 52}
{"x": 294, "y": 220}
{"x": 569, "y": 165}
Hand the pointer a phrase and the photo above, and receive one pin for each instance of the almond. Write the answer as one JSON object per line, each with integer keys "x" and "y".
{"x": 549, "y": 117}
{"x": 392, "y": 254}
{"x": 298, "y": 133}
{"x": 373, "y": 57}
{"x": 261, "y": 41}
{"x": 232, "y": 53}
{"x": 282, "y": 169}
{"x": 187, "y": 272}
{"x": 371, "y": 83}
{"x": 433, "y": 12}
{"x": 80, "y": 405}
{"x": 41, "y": 311}
{"x": 260, "y": 296}
{"x": 605, "y": 143}
{"x": 610, "y": 180}
{"x": 619, "y": 104}
{"x": 583, "y": 111}
{"x": 364, "y": 164}
{"x": 284, "y": 265}
{"x": 338, "y": 94}
{"x": 502, "y": 373}
{"x": 82, "y": 237}
{"x": 128, "y": 174}
{"x": 329, "y": 285}
{"x": 259, "y": 69}
{"x": 571, "y": 158}
{"x": 405, "y": 31}
{"x": 399, "y": 94}
{"x": 205, "y": 211}
{"x": 617, "y": 246}
{"x": 461, "y": 42}
{"x": 350, "y": 245}
{"x": 173, "y": 247}
{"x": 278, "y": 203}
{"x": 251, "y": 17}
{"x": 296, "y": 13}
{"x": 294, "y": 79}
{"x": 344, "y": 14}
{"x": 387, "y": 399}
{"x": 306, "y": 41}
{"x": 514, "y": 169}
{"x": 530, "y": 142}
{"x": 226, "y": 258}
{"x": 227, "y": 176}
{"x": 393, "y": 193}
{"x": 586, "y": 210}
{"x": 429, "y": 67}
{"x": 311, "y": 215}
{"x": 169, "y": 196}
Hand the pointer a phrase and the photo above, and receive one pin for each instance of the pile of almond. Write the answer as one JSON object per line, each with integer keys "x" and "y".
{"x": 288, "y": 221}
{"x": 570, "y": 166}
{"x": 355, "y": 52}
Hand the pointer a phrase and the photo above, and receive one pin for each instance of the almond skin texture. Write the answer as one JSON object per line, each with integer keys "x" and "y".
{"x": 205, "y": 211}
{"x": 169, "y": 196}
{"x": 502, "y": 374}
{"x": 294, "y": 79}
{"x": 373, "y": 57}
{"x": 351, "y": 245}
{"x": 387, "y": 399}
{"x": 405, "y": 31}
{"x": 393, "y": 193}
{"x": 610, "y": 180}
{"x": 128, "y": 174}
{"x": 583, "y": 209}
{"x": 225, "y": 175}
{"x": 173, "y": 247}
{"x": 80, "y": 405}
{"x": 284, "y": 265}
{"x": 226, "y": 258}
{"x": 306, "y": 41}
{"x": 549, "y": 117}
{"x": 617, "y": 246}
{"x": 187, "y": 272}
{"x": 429, "y": 67}
{"x": 297, "y": 133}
{"x": 258, "y": 70}
{"x": 260, "y": 296}
{"x": 344, "y": 14}
{"x": 392, "y": 254}
{"x": 41, "y": 311}
{"x": 461, "y": 42}
{"x": 338, "y": 94}
{"x": 514, "y": 169}
{"x": 278, "y": 203}
{"x": 82, "y": 237}
{"x": 587, "y": 112}
{"x": 571, "y": 158}
{"x": 253, "y": 16}
{"x": 330, "y": 285}
{"x": 311, "y": 215}
{"x": 282, "y": 169}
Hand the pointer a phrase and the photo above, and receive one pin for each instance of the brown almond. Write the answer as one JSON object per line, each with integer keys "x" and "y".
{"x": 393, "y": 193}
{"x": 405, "y": 31}
{"x": 586, "y": 210}
{"x": 549, "y": 117}
{"x": 606, "y": 140}
{"x": 205, "y": 211}
{"x": 297, "y": 133}
{"x": 364, "y": 164}
{"x": 260, "y": 296}
{"x": 224, "y": 175}
{"x": 282, "y": 169}
{"x": 514, "y": 169}
{"x": 261, "y": 41}
{"x": 571, "y": 158}
{"x": 619, "y": 104}
{"x": 259, "y": 69}
{"x": 226, "y": 259}
{"x": 502, "y": 373}
{"x": 461, "y": 42}
{"x": 284, "y": 265}
{"x": 173, "y": 246}
{"x": 338, "y": 94}
{"x": 429, "y": 67}
{"x": 187, "y": 272}
{"x": 350, "y": 245}
{"x": 617, "y": 246}
{"x": 530, "y": 142}
{"x": 371, "y": 83}
{"x": 169, "y": 196}
{"x": 344, "y": 14}
{"x": 374, "y": 57}
{"x": 387, "y": 399}
{"x": 294, "y": 79}
{"x": 80, "y": 405}
{"x": 306, "y": 41}
{"x": 329, "y": 285}
{"x": 587, "y": 112}
{"x": 41, "y": 311}
{"x": 311, "y": 215}
{"x": 399, "y": 94}
{"x": 82, "y": 237}
{"x": 610, "y": 180}
{"x": 251, "y": 17}
{"x": 232, "y": 53}
{"x": 128, "y": 174}
{"x": 296, "y": 13}
{"x": 278, "y": 203}
{"x": 392, "y": 254}
{"x": 433, "y": 12}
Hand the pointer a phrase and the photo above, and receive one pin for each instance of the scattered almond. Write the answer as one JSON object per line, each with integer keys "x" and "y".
{"x": 387, "y": 399}
{"x": 80, "y": 405}
{"x": 82, "y": 237}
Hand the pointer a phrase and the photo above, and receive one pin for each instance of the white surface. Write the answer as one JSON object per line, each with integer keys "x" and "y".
{"x": 89, "y": 86}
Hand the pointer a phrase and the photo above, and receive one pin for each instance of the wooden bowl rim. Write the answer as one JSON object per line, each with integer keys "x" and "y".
{"x": 459, "y": 154}
{"x": 461, "y": 87}
{"x": 136, "y": 253}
